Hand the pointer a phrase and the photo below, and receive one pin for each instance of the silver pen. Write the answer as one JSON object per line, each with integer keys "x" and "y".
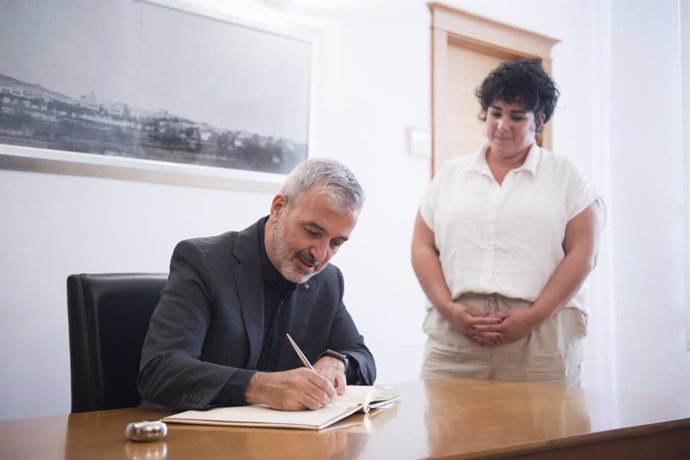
{"x": 301, "y": 356}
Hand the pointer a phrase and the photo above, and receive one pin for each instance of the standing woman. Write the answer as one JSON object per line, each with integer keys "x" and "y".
{"x": 503, "y": 242}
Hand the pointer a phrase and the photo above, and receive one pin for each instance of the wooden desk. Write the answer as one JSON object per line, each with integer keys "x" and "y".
{"x": 436, "y": 419}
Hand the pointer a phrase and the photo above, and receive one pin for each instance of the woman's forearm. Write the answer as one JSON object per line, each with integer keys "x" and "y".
{"x": 580, "y": 245}
{"x": 427, "y": 266}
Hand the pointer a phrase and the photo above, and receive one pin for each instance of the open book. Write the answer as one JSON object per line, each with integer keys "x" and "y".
{"x": 355, "y": 399}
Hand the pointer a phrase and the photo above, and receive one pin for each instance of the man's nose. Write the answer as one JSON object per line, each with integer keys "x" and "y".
{"x": 320, "y": 251}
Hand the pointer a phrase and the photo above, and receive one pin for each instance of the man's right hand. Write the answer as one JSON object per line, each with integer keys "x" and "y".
{"x": 296, "y": 389}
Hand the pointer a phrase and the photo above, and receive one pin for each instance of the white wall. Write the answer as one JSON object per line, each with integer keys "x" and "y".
{"x": 647, "y": 197}
{"x": 372, "y": 82}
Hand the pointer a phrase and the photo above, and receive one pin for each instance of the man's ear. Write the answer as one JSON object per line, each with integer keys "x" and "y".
{"x": 278, "y": 205}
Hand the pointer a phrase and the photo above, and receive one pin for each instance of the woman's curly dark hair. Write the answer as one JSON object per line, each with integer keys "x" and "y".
{"x": 522, "y": 81}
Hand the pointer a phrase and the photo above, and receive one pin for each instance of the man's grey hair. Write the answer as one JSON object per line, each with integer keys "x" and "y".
{"x": 332, "y": 177}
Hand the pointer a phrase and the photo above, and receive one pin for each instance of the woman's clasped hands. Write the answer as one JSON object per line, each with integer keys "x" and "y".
{"x": 491, "y": 329}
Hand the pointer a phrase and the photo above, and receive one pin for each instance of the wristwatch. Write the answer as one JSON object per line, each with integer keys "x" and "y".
{"x": 336, "y": 355}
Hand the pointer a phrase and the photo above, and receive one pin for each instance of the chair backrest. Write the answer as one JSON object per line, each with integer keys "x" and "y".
{"x": 108, "y": 319}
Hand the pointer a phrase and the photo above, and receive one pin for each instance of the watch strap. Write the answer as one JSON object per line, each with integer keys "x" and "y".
{"x": 336, "y": 355}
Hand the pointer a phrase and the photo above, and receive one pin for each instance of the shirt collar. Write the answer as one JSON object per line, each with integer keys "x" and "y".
{"x": 532, "y": 161}
{"x": 478, "y": 162}
{"x": 479, "y": 165}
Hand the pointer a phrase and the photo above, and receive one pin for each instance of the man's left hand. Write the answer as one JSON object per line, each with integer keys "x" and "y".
{"x": 332, "y": 369}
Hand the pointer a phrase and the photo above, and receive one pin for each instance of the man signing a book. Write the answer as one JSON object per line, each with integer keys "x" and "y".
{"x": 218, "y": 334}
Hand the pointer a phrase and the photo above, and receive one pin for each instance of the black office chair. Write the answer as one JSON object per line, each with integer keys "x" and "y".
{"x": 108, "y": 319}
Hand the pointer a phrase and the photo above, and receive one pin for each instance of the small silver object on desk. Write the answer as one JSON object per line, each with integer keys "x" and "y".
{"x": 146, "y": 431}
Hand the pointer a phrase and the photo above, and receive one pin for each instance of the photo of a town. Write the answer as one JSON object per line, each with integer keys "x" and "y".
{"x": 33, "y": 116}
{"x": 220, "y": 94}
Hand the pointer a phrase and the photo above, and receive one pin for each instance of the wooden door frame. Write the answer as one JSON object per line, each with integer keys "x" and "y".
{"x": 457, "y": 27}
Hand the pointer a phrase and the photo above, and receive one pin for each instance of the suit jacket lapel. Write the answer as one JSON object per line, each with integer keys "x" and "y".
{"x": 250, "y": 289}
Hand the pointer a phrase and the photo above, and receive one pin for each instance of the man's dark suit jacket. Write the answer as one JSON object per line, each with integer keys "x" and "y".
{"x": 208, "y": 326}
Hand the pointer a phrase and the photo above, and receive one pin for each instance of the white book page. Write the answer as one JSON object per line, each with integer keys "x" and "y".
{"x": 264, "y": 416}
{"x": 369, "y": 396}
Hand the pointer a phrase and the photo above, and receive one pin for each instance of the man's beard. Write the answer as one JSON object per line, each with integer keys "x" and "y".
{"x": 283, "y": 255}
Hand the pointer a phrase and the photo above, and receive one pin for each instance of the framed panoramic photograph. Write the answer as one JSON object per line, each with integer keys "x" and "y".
{"x": 152, "y": 90}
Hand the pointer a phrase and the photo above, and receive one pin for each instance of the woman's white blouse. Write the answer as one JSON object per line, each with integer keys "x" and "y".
{"x": 506, "y": 238}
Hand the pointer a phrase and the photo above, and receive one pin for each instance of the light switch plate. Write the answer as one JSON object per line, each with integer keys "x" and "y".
{"x": 418, "y": 141}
